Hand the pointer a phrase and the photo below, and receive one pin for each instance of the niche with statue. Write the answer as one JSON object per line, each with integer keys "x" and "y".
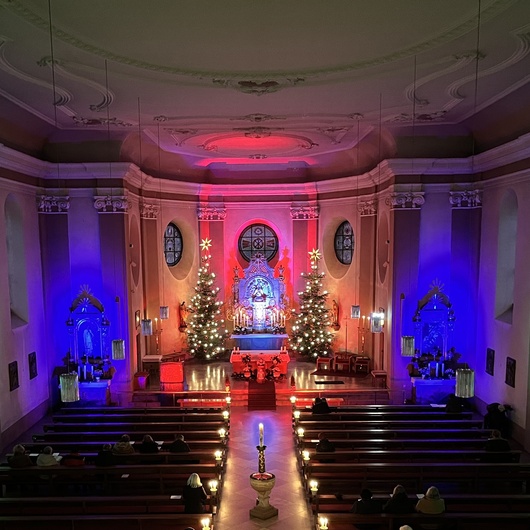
{"x": 434, "y": 321}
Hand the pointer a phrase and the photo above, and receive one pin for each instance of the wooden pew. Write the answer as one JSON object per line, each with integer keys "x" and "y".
{"x": 454, "y": 521}
{"x": 397, "y": 433}
{"x": 113, "y": 436}
{"x": 454, "y": 502}
{"x": 120, "y": 479}
{"x": 382, "y": 407}
{"x": 128, "y": 427}
{"x": 475, "y": 477}
{"x": 411, "y": 455}
{"x": 64, "y": 411}
{"x": 138, "y": 418}
{"x": 339, "y": 415}
{"x": 149, "y": 521}
{"x": 349, "y": 425}
{"x": 399, "y": 443}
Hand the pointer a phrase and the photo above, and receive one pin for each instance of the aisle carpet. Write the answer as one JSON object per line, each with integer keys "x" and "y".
{"x": 261, "y": 396}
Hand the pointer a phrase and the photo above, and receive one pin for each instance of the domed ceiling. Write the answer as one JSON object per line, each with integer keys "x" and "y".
{"x": 205, "y": 90}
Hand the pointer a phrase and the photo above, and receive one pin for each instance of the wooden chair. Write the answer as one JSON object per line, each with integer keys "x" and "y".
{"x": 341, "y": 362}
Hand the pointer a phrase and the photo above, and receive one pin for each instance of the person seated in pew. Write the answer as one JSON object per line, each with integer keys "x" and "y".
{"x": 124, "y": 446}
{"x": 320, "y": 406}
{"x": 73, "y": 459}
{"x": 454, "y": 404}
{"x": 497, "y": 448}
{"x": 47, "y": 458}
{"x": 324, "y": 445}
{"x": 178, "y": 445}
{"x": 105, "y": 457}
{"x": 399, "y": 502}
{"x": 365, "y": 505}
{"x": 193, "y": 495}
{"x": 148, "y": 445}
{"x": 20, "y": 458}
{"x": 431, "y": 504}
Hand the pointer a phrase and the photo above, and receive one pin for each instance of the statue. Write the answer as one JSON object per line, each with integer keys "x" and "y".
{"x": 183, "y": 313}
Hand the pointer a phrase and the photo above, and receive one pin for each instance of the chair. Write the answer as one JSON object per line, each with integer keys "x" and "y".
{"x": 341, "y": 362}
{"x": 362, "y": 365}
{"x": 324, "y": 363}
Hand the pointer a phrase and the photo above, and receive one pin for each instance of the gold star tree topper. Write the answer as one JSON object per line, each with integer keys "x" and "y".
{"x": 206, "y": 244}
{"x": 314, "y": 255}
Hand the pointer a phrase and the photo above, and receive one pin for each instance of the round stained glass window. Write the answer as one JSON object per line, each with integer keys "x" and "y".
{"x": 344, "y": 243}
{"x": 258, "y": 239}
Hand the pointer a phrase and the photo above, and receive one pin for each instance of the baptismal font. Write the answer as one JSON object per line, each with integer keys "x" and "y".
{"x": 262, "y": 483}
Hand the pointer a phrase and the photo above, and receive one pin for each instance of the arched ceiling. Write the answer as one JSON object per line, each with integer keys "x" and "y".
{"x": 207, "y": 90}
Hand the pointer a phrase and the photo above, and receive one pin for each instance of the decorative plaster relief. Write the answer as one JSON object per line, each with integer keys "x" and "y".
{"x": 465, "y": 199}
{"x": 110, "y": 204}
{"x": 405, "y": 201}
{"x": 367, "y": 208}
{"x": 211, "y": 214}
{"x": 149, "y": 210}
{"x": 300, "y": 213}
{"x": 53, "y": 204}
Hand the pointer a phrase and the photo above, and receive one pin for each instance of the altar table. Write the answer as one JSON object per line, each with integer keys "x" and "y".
{"x": 238, "y": 364}
{"x": 425, "y": 391}
{"x": 270, "y": 342}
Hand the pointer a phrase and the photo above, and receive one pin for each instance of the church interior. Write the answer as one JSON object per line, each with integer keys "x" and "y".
{"x": 255, "y": 172}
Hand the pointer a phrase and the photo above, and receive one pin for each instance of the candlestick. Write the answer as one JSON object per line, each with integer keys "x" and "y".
{"x": 261, "y": 434}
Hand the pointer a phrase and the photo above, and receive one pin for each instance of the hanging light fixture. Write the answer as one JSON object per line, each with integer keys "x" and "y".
{"x": 147, "y": 326}
{"x": 465, "y": 383}
{"x": 407, "y": 345}
{"x": 118, "y": 349}
{"x": 164, "y": 309}
{"x": 69, "y": 385}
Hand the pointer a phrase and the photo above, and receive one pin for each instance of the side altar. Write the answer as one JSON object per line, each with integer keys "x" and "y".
{"x": 279, "y": 359}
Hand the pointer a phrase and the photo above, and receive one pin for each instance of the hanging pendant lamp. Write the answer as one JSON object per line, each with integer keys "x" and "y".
{"x": 118, "y": 349}
{"x": 465, "y": 383}
{"x": 69, "y": 385}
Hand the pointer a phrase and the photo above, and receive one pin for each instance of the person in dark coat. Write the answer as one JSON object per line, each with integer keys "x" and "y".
{"x": 496, "y": 418}
{"x": 148, "y": 445}
{"x": 400, "y": 502}
{"x": 105, "y": 456}
{"x": 366, "y": 505}
{"x": 320, "y": 406}
{"x": 179, "y": 445}
{"x": 193, "y": 495}
{"x": 324, "y": 445}
{"x": 497, "y": 448}
{"x": 19, "y": 458}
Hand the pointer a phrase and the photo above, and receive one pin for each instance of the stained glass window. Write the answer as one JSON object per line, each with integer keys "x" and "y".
{"x": 258, "y": 239}
{"x": 344, "y": 243}
{"x": 172, "y": 245}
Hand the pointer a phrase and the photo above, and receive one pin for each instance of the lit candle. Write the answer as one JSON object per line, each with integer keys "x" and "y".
{"x": 261, "y": 434}
{"x": 156, "y": 323}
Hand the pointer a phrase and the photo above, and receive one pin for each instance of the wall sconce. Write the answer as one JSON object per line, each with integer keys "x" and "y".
{"x": 292, "y": 399}
{"x": 323, "y": 523}
{"x": 377, "y": 321}
{"x": 147, "y": 326}
{"x": 118, "y": 349}
{"x": 407, "y": 345}
{"x": 206, "y": 524}
{"x": 69, "y": 384}
{"x": 228, "y": 400}
{"x": 164, "y": 312}
{"x": 300, "y": 433}
{"x": 465, "y": 383}
{"x": 226, "y": 415}
{"x": 218, "y": 456}
{"x": 313, "y": 486}
{"x": 305, "y": 456}
{"x": 213, "y": 486}
{"x": 222, "y": 434}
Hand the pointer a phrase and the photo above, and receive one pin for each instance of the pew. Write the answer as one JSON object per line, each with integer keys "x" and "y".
{"x": 412, "y": 455}
{"x": 475, "y": 477}
{"x": 397, "y": 433}
{"x": 455, "y": 521}
{"x": 119, "y": 479}
{"x": 113, "y": 436}
{"x": 139, "y": 418}
{"x": 149, "y": 521}
{"x": 433, "y": 414}
{"x": 67, "y": 410}
{"x": 399, "y": 443}
{"x": 348, "y": 425}
{"x": 128, "y": 427}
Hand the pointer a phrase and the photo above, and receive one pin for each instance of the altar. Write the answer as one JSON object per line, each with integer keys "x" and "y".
{"x": 236, "y": 359}
{"x": 260, "y": 341}
{"x": 428, "y": 391}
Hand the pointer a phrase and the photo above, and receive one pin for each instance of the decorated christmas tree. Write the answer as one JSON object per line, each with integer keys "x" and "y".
{"x": 310, "y": 335}
{"x": 205, "y": 339}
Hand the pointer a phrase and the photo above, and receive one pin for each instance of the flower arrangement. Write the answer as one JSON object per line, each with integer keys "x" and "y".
{"x": 276, "y": 359}
{"x": 425, "y": 371}
{"x": 449, "y": 373}
{"x": 247, "y": 359}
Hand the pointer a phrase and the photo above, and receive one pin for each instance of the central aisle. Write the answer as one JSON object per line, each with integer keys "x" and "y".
{"x": 287, "y": 495}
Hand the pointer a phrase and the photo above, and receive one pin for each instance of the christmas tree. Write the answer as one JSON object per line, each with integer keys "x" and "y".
{"x": 310, "y": 332}
{"x": 205, "y": 340}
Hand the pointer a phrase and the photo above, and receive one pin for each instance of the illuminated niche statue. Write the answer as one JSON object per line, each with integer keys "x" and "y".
{"x": 258, "y": 299}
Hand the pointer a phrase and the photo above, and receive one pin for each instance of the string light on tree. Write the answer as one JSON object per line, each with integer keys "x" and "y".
{"x": 205, "y": 340}
{"x": 310, "y": 335}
